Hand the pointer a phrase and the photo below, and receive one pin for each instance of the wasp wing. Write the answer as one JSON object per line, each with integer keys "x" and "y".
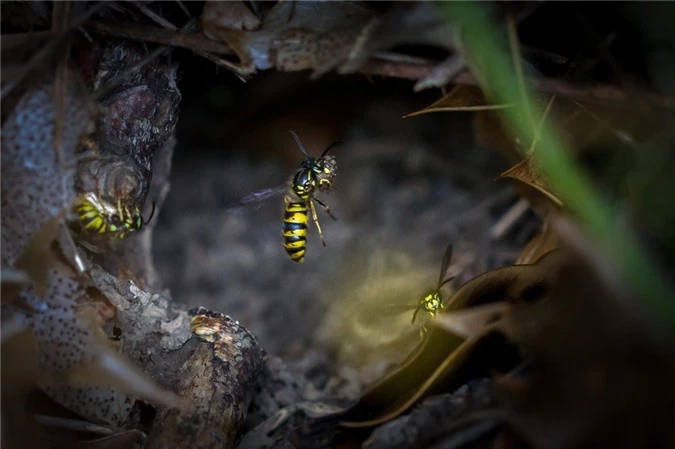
{"x": 444, "y": 265}
{"x": 257, "y": 199}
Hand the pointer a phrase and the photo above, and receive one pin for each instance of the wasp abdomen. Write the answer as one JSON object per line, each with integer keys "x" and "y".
{"x": 295, "y": 230}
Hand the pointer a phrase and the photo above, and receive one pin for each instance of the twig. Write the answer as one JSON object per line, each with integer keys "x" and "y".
{"x": 599, "y": 93}
{"x": 159, "y": 20}
{"x": 416, "y": 69}
{"x": 119, "y": 79}
{"x": 184, "y": 9}
{"x": 509, "y": 219}
{"x": 72, "y": 424}
{"x": 196, "y": 41}
{"x": 38, "y": 60}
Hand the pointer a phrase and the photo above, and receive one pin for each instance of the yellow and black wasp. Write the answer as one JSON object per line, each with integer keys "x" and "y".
{"x": 107, "y": 220}
{"x": 432, "y": 301}
{"x": 314, "y": 175}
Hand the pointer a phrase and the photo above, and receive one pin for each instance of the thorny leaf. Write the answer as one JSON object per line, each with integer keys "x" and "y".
{"x": 471, "y": 323}
{"x": 443, "y": 362}
{"x": 460, "y": 99}
{"x": 598, "y": 373}
{"x": 527, "y": 172}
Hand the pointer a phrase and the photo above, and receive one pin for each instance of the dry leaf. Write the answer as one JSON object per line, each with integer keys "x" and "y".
{"x": 540, "y": 245}
{"x": 470, "y": 323}
{"x": 444, "y": 361}
{"x": 598, "y": 374}
{"x": 529, "y": 174}
{"x": 461, "y": 98}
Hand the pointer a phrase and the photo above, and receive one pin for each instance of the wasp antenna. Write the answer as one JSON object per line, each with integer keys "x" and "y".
{"x": 330, "y": 147}
{"x": 445, "y": 281}
{"x": 152, "y": 214}
{"x": 297, "y": 140}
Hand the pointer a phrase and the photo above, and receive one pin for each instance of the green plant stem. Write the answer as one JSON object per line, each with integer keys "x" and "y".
{"x": 493, "y": 66}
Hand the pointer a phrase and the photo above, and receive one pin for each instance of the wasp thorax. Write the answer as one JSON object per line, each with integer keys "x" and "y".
{"x": 431, "y": 302}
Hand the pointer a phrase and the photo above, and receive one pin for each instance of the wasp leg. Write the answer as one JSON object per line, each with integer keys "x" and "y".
{"x": 316, "y": 221}
{"x": 326, "y": 208}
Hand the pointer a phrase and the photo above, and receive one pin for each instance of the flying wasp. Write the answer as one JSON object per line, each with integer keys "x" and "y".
{"x": 432, "y": 301}
{"x": 104, "y": 219}
{"x": 314, "y": 175}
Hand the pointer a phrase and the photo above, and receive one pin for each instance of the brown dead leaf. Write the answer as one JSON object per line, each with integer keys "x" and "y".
{"x": 471, "y": 323}
{"x": 540, "y": 245}
{"x": 599, "y": 375}
{"x": 527, "y": 172}
{"x": 461, "y": 98}
{"x": 444, "y": 361}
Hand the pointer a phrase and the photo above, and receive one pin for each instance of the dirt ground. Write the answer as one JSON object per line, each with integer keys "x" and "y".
{"x": 406, "y": 188}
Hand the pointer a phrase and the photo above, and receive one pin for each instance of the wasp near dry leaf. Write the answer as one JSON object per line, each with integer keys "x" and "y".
{"x": 432, "y": 301}
{"x": 314, "y": 175}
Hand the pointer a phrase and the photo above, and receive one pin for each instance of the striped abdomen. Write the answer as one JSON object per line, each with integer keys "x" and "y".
{"x": 295, "y": 230}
